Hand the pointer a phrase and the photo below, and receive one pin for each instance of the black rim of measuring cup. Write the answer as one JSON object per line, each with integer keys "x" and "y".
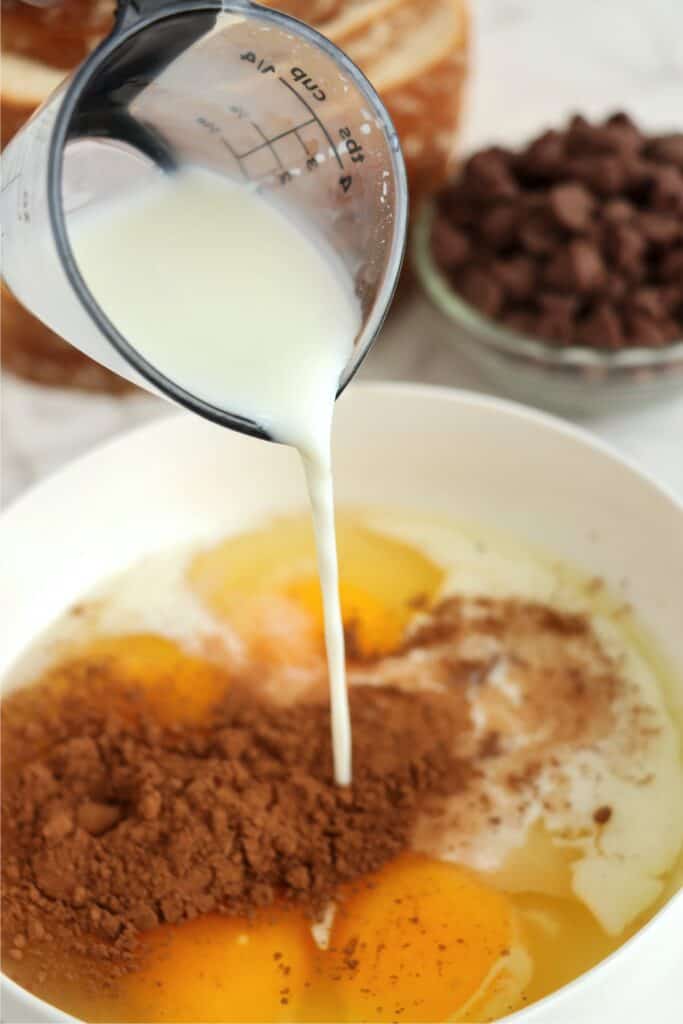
{"x": 125, "y": 30}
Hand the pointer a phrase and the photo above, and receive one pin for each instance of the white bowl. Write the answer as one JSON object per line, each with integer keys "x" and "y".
{"x": 408, "y": 446}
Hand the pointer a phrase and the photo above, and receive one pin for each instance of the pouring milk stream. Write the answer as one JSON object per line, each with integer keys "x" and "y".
{"x": 219, "y": 291}
{"x": 215, "y": 206}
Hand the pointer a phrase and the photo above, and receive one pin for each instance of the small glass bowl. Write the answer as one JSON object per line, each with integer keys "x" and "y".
{"x": 573, "y": 380}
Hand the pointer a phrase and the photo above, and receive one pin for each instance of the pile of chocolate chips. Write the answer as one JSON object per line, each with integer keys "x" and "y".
{"x": 577, "y": 239}
{"x": 113, "y": 823}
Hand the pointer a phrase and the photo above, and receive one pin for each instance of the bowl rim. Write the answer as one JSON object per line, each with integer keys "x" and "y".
{"x": 405, "y": 391}
{"x": 439, "y": 289}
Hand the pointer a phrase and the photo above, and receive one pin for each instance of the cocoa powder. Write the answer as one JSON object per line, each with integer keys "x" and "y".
{"x": 113, "y": 823}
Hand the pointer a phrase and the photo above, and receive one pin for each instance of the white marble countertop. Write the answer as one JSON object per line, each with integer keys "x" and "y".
{"x": 535, "y": 60}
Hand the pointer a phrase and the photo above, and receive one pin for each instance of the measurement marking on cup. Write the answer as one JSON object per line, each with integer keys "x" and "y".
{"x": 237, "y": 157}
{"x": 11, "y": 181}
{"x": 269, "y": 142}
{"x": 312, "y": 159}
{"x": 315, "y": 117}
{"x": 302, "y": 143}
{"x": 276, "y": 138}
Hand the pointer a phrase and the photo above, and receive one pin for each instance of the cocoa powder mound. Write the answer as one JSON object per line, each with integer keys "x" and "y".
{"x": 113, "y": 823}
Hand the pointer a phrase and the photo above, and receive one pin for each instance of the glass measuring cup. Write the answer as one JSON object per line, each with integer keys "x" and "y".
{"x": 234, "y": 87}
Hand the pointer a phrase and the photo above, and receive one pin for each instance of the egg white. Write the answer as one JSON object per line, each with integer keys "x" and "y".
{"x": 617, "y": 868}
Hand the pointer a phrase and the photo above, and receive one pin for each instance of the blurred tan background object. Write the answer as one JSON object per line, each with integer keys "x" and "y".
{"x": 413, "y": 51}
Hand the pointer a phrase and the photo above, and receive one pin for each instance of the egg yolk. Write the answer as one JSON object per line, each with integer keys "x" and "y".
{"x": 266, "y": 584}
{"x": 224, "y": 969}
{"x": 178, "y": 686}
{"x": 417, "y": 941}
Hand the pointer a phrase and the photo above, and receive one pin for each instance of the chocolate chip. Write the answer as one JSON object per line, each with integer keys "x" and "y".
{"x": 626, "y": 131}
{"x": 578, "y": 267}
{"x": 618, "y": 211}
{"x": 671, "y": 266}
{"x": 626, "y": 248}
{"x": 615, "y": 287}
{"x": 672, "y": 300}
{"x": 671, "y": 329}
{"x": 482, "y": 290}
{"x": 660, "y": 229}
{"x": 667, "y": 190}
{"x": 488, "y": 174}
{"x": 458, "y": 209}
{"x": 498, "y": 226}
{"x": 521, "y": 321}
{"x": 516, "y": 275}
{"x": 553, "y": 302}
{"x": 602, "y": 328}
{"x": 639, "y": 178}
{"x": 539, "y": 234}
{"x": 572, "y": 205}
{"x": 586, "y": 139}
{"x": 577, "y": 122}
{"x": 544, "y": 157}
{"x": 667, "y": 149}
{"x": 554, "y": 325}
{"x": 649, "y": 301}
{"x": 645, "y": 330}
{"x": 449, "y": 245}
{"x": 605, "y": 175}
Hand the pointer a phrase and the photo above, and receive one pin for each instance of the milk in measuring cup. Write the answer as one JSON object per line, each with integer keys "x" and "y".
{"x": 233, "y": 302}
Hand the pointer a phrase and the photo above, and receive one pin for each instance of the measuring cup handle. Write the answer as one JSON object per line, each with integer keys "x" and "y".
{"x": 130, "y": 11}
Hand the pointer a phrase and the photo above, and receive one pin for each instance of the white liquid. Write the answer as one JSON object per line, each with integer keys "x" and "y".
{"x": 228, "y": 299}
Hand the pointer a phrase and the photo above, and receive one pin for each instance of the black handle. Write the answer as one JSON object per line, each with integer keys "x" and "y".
{"x": 129, "y": 11}
{"x": 142, "y": 53}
